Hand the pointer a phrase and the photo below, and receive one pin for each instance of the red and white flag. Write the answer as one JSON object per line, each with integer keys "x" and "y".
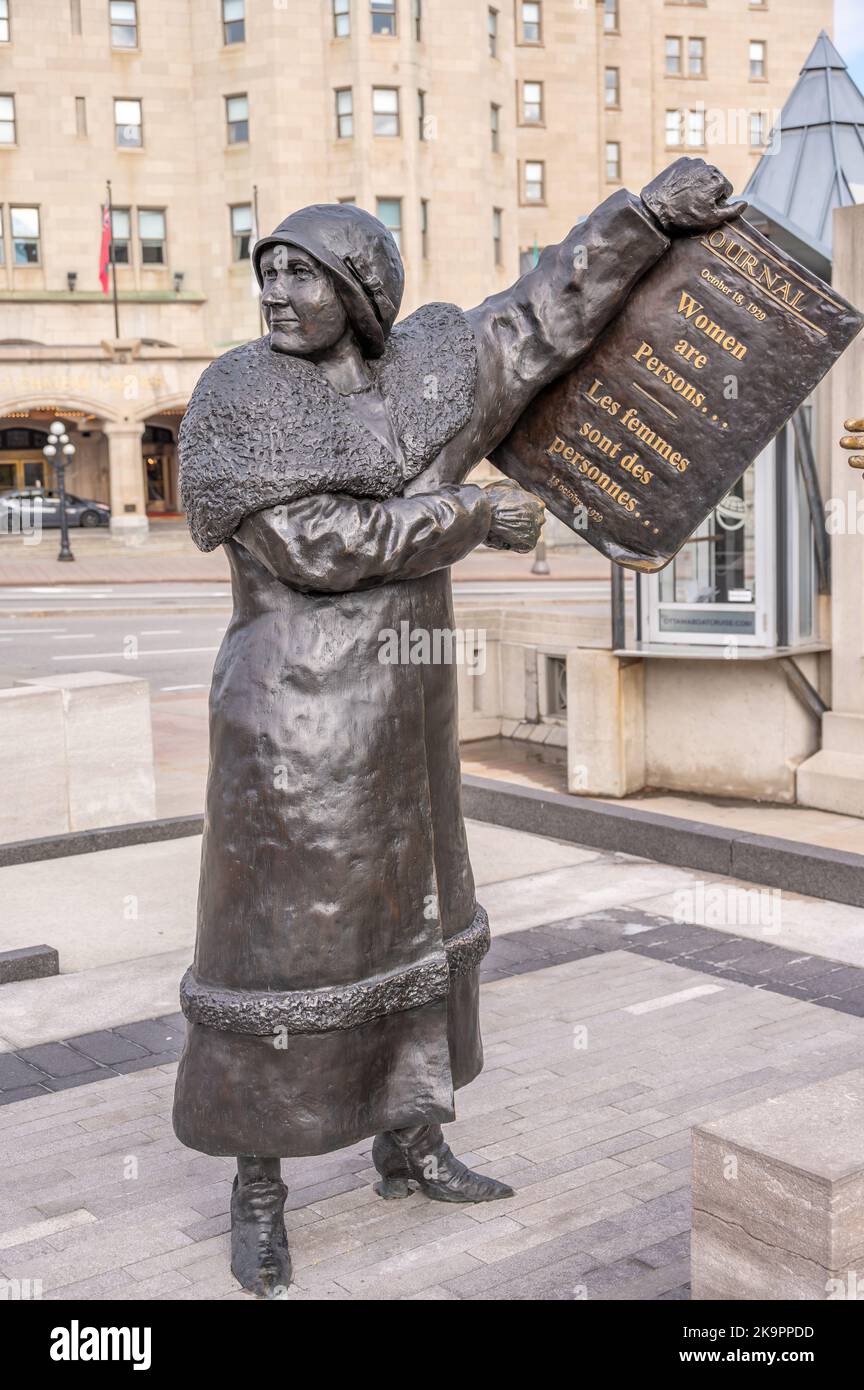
{"x": 105, "y": 249}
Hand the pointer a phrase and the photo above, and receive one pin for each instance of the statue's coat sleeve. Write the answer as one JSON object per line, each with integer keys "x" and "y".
{"x": 335, "y": 544}
{"x": 531, "y": 333}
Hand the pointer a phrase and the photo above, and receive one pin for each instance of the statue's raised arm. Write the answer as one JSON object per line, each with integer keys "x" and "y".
{"x": 531, "y": 333}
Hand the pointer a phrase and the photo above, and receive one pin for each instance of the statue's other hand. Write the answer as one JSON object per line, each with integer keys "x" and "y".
{"x": 689, "y": 197}
{"x": 517, "y": 518}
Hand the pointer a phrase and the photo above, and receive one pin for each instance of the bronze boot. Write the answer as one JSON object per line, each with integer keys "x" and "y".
{"x": 405, "y": 1156}
{"x": 260, "y": 1259}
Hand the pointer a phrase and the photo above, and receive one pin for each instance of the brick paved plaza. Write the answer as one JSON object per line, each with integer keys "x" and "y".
{"x": 596, "y": 1069}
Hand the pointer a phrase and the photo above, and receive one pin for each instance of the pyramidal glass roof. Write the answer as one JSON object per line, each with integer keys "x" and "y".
{"x": 814, "y": 162}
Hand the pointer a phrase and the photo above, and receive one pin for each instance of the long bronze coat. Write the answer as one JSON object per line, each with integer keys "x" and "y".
{"x": 334, "y": 991}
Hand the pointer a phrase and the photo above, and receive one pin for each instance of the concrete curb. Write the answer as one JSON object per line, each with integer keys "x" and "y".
{"x": 835, "y": 875}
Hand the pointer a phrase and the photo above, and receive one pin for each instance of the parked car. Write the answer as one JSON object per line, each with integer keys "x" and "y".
{"x": 30, "y": 502}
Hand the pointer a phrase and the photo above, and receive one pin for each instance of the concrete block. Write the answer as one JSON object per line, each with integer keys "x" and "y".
{"x": 109, "y": 747}
{"x": 778, "y": 1196}
{"x": 28, "y": 963}
{"x": 605, "y": 724}
{"x": 33, "y": 742}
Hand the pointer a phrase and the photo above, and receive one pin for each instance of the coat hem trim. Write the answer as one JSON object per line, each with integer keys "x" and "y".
{"x": 265, "y": 1012}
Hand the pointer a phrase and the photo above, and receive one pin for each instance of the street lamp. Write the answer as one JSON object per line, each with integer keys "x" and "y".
{"x": 59, "y": 439}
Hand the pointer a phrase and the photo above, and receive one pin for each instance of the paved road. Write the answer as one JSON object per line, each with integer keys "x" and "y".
{"x": 172, "y": 652}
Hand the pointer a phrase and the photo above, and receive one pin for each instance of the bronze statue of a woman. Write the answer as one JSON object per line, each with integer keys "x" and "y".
{"x": 334, "y": 991}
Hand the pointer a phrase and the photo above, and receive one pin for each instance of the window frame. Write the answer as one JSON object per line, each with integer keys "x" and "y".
{"x": 13, "y": 122}
{"x": 343, "y": 115}
{"x": 525, "y": 200}
{"x": 387, "y": 115}
{"x": 611, "y": 10}
{"x": 377, "y": 11}
{"x": 236, "y": 96}
{"x": 128, "y": 125}
{"x": 136, "y": 28}
{"x": 149, "y": 241}
{"x": 619, "y": 176}
{"x": 396, "y": 232}
{"x": 763, "y": 75}
{"x": 616, "y": 104}
{"x": 492, "y": 30}
{"x": 339, "y": 15}
{"x": 116, "y": 241}
{"x": 226, "y": 41}
{"x": 24, "y": 239}
{"x": 237, "y": 237}
{"x": 495, "y": 126}
{"x": 524, "y": 118}
{"x": 678, "y": 40}
{"x": 522, "y": 41}
{"x": 498, "y": 235}
{"x": 7, "y": 20}
{"x": 702, "y": 57}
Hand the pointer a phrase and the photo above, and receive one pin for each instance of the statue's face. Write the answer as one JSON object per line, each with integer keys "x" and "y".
{"x": 303, "y": 311}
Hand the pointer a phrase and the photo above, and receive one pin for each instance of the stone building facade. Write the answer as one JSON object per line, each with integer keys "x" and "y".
{"x": 477, "y": 132}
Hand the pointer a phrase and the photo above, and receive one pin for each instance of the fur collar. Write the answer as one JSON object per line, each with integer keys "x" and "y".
{"x": 263, "y": 428}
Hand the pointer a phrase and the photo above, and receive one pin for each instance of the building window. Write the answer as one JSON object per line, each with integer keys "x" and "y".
{"x": 695, "y": 57}
{"x": 80, "y": 115}
{"x": 75, "y": 16}
{"x": 757, "y": 58}
{"x": 383, "y": 17}
{"x": 341, "y": 18}
{"x": 612, "y": 86}
{"x": 25, "y": 235}
{"x": 424, "y": 228}
{"x": 123, "y": 15}
{"x": 344, "y": 113}
{"x": 556, "y": 686}
{"x": 495, "y": 127}
{"x": 532, "y": 103}
{"x": 2, "y": 241}
{"x": 497, "y": 235}
{"x": 685, "y": 125}
{"x": 121, "y": 236}
{"x": 696, "y": 127}
{"x": 237, "y": 119}
{"x": 385, "y": 110}
{"x": 613, "y": 161}
{"x": 8, "y": 134}
{"x": 610, "y": 16}
{"x": 4, "y": 21}
{"x": 757, "y": 129}
{"x": 241, "y": 231}
{"x": 151, "y": 235}
{"x": 673, "y": 55}
{"x": 421, "y": 113}
{"x": 127, "y": 123}
{"x": 534, "y": 181}
{"x": 492, "y": 29}
{"x": 531, "y": 22}
{"x": 389, "y": 211}
{"x": 234, "y": 21}
{"x": 417, "y": 10}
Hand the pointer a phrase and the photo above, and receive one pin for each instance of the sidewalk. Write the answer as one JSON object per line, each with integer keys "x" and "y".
{"x": 168, "y": 555}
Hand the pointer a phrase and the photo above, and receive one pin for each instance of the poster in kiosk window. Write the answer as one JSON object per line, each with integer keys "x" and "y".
{"x": 713, "y": 352}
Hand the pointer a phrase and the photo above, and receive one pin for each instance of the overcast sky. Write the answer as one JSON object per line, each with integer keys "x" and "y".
{"x": 849, "y": 35}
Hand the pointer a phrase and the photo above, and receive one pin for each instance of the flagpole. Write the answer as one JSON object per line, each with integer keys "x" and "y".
{"x": 261, "y": 322}
{"x": 113, "y": 262}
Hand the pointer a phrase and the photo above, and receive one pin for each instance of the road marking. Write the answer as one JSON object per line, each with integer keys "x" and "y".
{"x": 74, "y": 636}
{"x": 161, "y": 632}
{"x": 183, "y": 687}
{"x": 121, "y": 656}
{"x": 665, "y": 1001}
{"x": 30, "y": 631}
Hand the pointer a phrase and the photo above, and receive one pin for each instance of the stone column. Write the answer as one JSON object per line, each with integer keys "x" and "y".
{"x": 128, "y": 493}
{"x": 833, "y": 779}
